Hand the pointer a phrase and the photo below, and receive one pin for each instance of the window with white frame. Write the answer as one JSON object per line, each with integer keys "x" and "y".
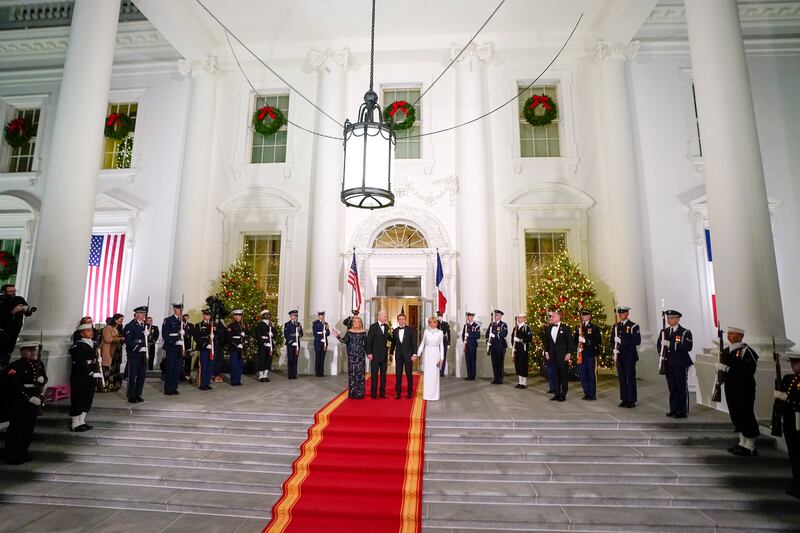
{"x": 21, "y": 159}
{"x": 409, "y": 143}
{"x": 271, "y": 148}
{"x": 540, "y": 250}
{"x": 263, "y": 253}
{"x": 119, "y": 154}
{"x": 11, "y": 247}
{"x": 538, "y": 141}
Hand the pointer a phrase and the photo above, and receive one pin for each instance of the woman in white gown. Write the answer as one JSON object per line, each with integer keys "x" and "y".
{"x": 431, "y": 349}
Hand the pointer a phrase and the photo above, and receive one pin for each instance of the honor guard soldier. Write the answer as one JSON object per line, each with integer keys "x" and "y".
{"x": 445, "y": 327}
{"x": 175, "y": 338}
{"x": 677, "y": 342}
{"x": 235, "y": 336}
{"x": 190, "y": 355}
{"x": 208, "y": 352}
{"x": 624, "y": 340}
{"x": 292, "y": 331}
{"x": 521, "y": 337}
{"x": 496, "y": 345}
{"x": 152, "y": 339}
{"x": 558, "y": 347}
{"x": 321, "y": 334}
{"x": 739, "y": 364}
{"x": 470, "y": 334}
{"x": 22, "y": 384}
{"x": 588, "y": 339}
{"x": 788, "y": 399}
{"x": 265, "y": 335}
{"x": 136, "y": 339}
{"x": 85, "y": 369}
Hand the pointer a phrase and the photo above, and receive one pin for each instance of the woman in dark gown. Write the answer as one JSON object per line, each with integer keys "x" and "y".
{"x": 353, "y": 340}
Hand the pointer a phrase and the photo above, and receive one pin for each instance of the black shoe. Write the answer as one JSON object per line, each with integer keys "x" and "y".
{"x": 623, "y": 404}
{"x": 562, "y": 399}
{"x": 140, "y": 399}
{"x": 732, "y": 449}
{"x": 131, "y": 400}
{"x": 167, "y": 393}
{"x": 631, "y": 405}
{"x": 585, "y": 398}
{"x": 267, "y": 380}
{"x": 551, "y": 391}
{"x": 79, "y": 429}
{"x": 523, "y": 386}
{"x": 175, "y": 393}
{"x": 517, "y": 386}
{"x": 204, "y": 387}
{"x": 670, "y": 414}
{"x": 679, "y": 415}
{"x": 744, "y": 452}
{"x": 554, "y": 398}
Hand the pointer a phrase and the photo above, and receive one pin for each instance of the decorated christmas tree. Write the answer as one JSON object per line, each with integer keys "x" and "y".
{"x": 563, "y": 287}
{"x": 239, "y": 287}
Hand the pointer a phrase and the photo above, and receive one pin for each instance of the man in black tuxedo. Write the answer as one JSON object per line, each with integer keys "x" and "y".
{"x": 376, "y": 349}
{"x": 558, "y": 345}
{"x": 404, "y": 348}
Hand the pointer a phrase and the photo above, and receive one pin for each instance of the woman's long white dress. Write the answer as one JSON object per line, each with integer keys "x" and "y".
{"x": 431, "y": 349}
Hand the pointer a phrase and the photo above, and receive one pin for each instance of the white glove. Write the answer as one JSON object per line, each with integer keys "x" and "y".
{"x": 616, "y": 352}
{"x": 208, "y": 347}
{"x": 295, "y": 344}
{"x": 491, "y": 335}
{"x": 778, "y": 395}
{"x": 239, "y": 346}
{"x": 40, "y": 379}
{"x": 35, "y": 400}
{"x": 581, "y": 339}
{"x": 143, "y": 349}
{"x": 722, "y": 368}
{"x": 179, "y": 343}
{"x": 617, "y": 340}
{"x": 97, "y": 375}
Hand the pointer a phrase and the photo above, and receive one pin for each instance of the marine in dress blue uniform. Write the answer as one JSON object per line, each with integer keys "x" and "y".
{"x": 264, "y": 333}
{"x": 589, "y": 337}
{"x": 22, "y": 385}
{"x": 136, "y": 347}
{"x": 292, "y": 332}
{"x": 627, "y": 335}
{"x": 678, "y": 342}
{"x": 496, "y": 343}
{"x": 84, "y": 358}
{"x": 175, "y": 340}
{"x": 321, "y": 334}
{"x": 470, "y": 334}
{"x": 234, "y": 336}
{"x": 202, "y": 341}
{"x": 521, "y": 337}
{"x": 788, "y": 401}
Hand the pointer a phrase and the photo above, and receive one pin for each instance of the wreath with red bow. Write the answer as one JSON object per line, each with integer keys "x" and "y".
{"x": 546, "y": 103}
{"x": 17, "y": 133}
{"x": 267, "y": 120}
{"x": 399, "y": 109}
{"x": 8, "y": 265}
{"x": 118, "y": 126}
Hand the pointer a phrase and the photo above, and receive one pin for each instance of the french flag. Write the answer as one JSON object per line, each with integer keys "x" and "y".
{"x": 439, "y": 279}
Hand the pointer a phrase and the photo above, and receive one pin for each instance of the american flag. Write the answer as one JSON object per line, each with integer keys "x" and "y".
{"x": 352, "y": 280}
{"x": 103, "y": 276}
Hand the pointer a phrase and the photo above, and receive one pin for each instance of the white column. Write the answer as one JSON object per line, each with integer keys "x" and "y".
{"x": 745, "y": 271}
{"x": 70, "y": 180}
{"x": 188, "y": 275}
{"x": 625, "y": 238}
{"x": 327, "y": 211}
{"x": 475, "y": 229}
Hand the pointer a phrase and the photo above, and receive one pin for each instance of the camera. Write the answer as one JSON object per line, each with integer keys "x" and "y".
{"x": 28, "y": 310}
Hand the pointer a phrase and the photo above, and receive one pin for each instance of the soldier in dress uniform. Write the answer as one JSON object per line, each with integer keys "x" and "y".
{"x": 521, "y": 337}
{"x": 81, "y": 380}
{"x": 175, "y": 336}
{"x": 445, "y": 327}
{"x": 789, "y": 403}
{"x": 265, "y": 335}
{"x": 23, "y": 382}
{"x": 136, "y": 338}
{"x": 558, "y": 348}
{"x": 190, "y": 355}
{"x": 292, "y": 331}
{"x": 348, "y": 322}
{"x": 678, "y": 343}
{"x": 624, "y": 340}
{"x": 234, "y": 336}
{"x": 202, "y": 341}
{"x": 321, "y": 334}
{"x": 152, "y": 339}
{"x": 496, "y": 345}
{"x": 739, "y": 362}
{"x": 470, "y": 334}
{"x": 588, "y": 339}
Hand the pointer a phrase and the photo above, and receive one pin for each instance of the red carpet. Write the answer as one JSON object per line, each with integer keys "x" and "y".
{"x": 359, "y": 470}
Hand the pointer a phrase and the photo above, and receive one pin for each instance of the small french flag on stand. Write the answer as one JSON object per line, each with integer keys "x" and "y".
{"x": 442, "y": 305}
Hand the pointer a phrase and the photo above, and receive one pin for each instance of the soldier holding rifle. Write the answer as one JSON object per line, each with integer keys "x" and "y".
{"x": 136, "y": 339}
{"x": 739, "y": 363}
{"x": 321, "y": 334}
{"x": 588, "y": 339}
{"x": 174, "y": 344}
{"x": 626, "y": 337}
{"x": 470, "y": 334}
{"x": 787, "y": 399}
{"x": 674, "y": 344}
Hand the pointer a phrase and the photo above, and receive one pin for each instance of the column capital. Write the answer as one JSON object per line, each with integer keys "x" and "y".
{"x": 330, "y": 60}
{"x": 472, "y": 53}
{"x": 192, "y": 67}
{"x": 604, "y": 50}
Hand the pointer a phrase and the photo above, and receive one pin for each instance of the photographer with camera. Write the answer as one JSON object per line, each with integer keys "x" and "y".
{"x": 12, "y": 310}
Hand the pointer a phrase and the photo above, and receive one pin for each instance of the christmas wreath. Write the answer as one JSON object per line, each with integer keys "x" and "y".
{"x": 547, "y": 103}
{"x": 17, "y": 133}
{"x": 267, "y": 120}
{"x": 405, "y": 109}
{"x": 118, "y": 126}
{"x": 8, "y": 265}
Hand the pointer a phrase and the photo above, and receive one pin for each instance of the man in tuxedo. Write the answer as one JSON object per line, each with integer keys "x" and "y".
{"x": 404, "y": 348}
{"x": 558, "y": 345}
{"x": 376, "y": 348}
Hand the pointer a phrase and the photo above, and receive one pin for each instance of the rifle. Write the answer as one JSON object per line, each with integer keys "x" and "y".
{"x": 99, "y": 359}
{"x": 716, "y": 396}
{"x": 580, "y": 344}
{"x": 616, "y": 334}
{"x": 488, "y": 337}
{"x": 776, "y": 426}
{"x": 662, "y": 356}
{"x": 180, "y": 333}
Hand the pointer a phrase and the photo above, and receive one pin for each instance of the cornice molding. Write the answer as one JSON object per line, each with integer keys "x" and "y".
{"x": 750, "y": 12}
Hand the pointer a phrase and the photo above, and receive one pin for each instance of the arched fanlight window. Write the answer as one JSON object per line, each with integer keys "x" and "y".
{"x": 400, "y": 236}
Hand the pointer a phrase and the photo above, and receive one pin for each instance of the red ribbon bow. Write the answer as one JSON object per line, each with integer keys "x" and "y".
{"x": 266, "y": 110}
{"x": 16, "y": 126}
{"x": 113, "y": 120}
{"x": 541, "y": 99}
{"x": 401, "y": 105}
{"x": 4, "y": 260}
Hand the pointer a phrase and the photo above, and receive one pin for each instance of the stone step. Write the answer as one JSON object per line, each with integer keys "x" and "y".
{"x": 581, "y": 422}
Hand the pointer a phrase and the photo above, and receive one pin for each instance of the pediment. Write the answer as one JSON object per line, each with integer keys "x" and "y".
{"x": 258, "y": 200}
{"x": 550, "y": 196}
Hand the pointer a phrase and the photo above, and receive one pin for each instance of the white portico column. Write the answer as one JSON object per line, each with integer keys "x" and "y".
{"x": 475, "y": 229}
{"x": 625, "y": 236}
{"x": 188, "y": 275}
{"x": 70, "y": 181}
{"x": 745, "y": 272}
{"x": 325, "y": 241}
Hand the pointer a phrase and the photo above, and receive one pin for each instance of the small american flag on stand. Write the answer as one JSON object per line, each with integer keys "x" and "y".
{"x": 352, "y": 280}
{"x": 103, "y": 277}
